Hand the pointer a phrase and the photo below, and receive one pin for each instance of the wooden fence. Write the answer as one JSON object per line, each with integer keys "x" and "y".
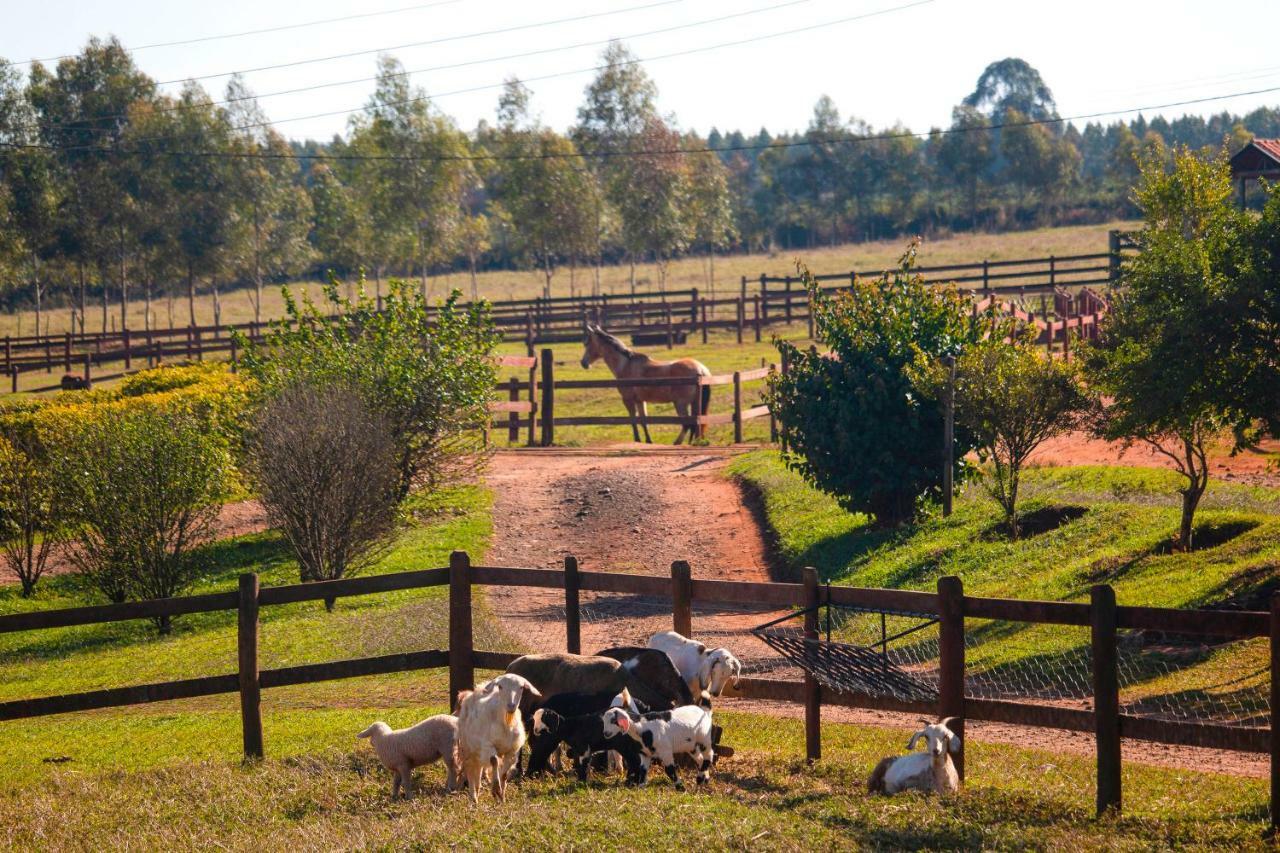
{"x": 949, "y": 604}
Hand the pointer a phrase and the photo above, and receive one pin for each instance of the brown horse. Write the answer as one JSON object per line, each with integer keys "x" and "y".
{"x": 690, "y": 400}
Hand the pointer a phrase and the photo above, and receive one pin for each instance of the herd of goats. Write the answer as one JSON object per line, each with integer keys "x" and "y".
{"x": 620, "y": 709}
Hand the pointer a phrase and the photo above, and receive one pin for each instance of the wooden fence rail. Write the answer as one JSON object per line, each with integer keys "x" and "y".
{"x": 949, "y": 604}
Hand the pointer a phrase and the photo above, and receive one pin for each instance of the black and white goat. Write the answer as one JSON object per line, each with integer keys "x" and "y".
{"x": 583, "y": 735}
{"x": 666, "y": 734}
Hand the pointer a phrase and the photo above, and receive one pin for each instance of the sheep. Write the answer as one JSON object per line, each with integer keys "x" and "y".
{"x": 584, "y": 735}
{"x": 404, "y": 749}
{"x": 655, "y": 669}
{"x": 931, "y": 770}
{"x": 566, "y": 673}
{"x": 491, "y": 731}
{"x": 666, "y": 734}
{"x": 702, "y": 668}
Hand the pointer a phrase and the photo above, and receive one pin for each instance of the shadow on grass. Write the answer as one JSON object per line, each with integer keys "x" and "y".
{"x": 1037, "y": 522}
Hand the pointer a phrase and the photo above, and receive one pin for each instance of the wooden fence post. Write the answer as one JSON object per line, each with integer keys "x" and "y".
{"x": 250, "y": 686}
{"x": 737, "y": 407}
{"x": 88, "y": 370}
{"x": 951, "y": 658}
{"x": 782, "y": 436}
{"x": 787, "y": 306}
{"x": 533, "y": 403}
{"x": 742, "y": 312}
{"x": 693, "y": 308}
{"x": 548, "y": 399}
{"x": 812, "y": 690}
{"x": 948, "y": 436}
{"x": 682, "y": 598}
{"x": 66, "y": 353}
{"x": 572, "y": 613}
{"x": 128, "y": 349}
{"x": 528, "y": 331}
{"x": 13, "y": 374}
{"x": 235, "y": 361}
{"x": 1106, "y": 697}
{"x": 758, "y": 302}
{"x": 1275, "y": 711}
{"x": 462, "y": 672}
{"x": 704, "y": 321}
{"x": 513, "y": 419}
{"x": 773, "y": 422}
{"x": 666, "y": 316}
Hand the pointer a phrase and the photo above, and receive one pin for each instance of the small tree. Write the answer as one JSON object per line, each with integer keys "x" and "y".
{"x": 326, "y": 468}
{"x": 31, "y": 520}
{"x": 859, "y": 427}
{"x": 142, "y": 489}
{"x": 1010, "y": 399}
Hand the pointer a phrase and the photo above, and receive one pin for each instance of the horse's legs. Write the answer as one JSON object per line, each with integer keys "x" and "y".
{"x": 644, "y": 420}
{"x": 682, "y": 411}
{"x": 631, "y": 411}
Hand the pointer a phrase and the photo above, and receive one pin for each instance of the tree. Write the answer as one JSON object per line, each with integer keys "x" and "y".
{"x": 1012, "y": 84}
{"x": 859, "y": 428}
{"x": 1166, "y": 359}
{"x": 967, "y": 154}
{"x": 710, "y": 214}
{"x": 650, "y": 189}
{"x": 1011, "y": 399}
{"x": 1036, "y": 159}
{"x": 326, "y": 468}
{"x": 30, "y": 517}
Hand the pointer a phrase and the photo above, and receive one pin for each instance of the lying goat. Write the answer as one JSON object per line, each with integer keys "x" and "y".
{"x": 931, "y": 770}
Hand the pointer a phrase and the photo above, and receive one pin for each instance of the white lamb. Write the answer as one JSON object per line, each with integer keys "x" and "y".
{"x": 931, "y": 770}
{"x": 665, "y": 734}
{"x": 402, "y": 750}
{"x": 702, "y": 669}
{"x": 491, "y": 731}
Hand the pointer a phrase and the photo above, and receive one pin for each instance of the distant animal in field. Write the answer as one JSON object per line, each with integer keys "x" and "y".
{"x": 689, "y": 399}
{"x": 71, "y": 382}
{"x": 930, "y": 771}
{"x": 401, "y": 750}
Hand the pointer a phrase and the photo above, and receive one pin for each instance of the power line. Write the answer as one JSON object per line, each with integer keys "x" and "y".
{"x": 702, "y": 149}
{"x": 85, "y": 124}
{"x": 559, "y": 74}
{"x": 277, "y": 29}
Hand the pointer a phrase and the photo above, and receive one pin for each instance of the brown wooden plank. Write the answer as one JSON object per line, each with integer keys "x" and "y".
{"x": 319, "y": 590}
{"x": 100, "y": 613}
{"x": 353, "y": 668}
{"x": 1238, "y": 738}
{"x": 739, "y": 592}
{"x": 755, "y": 412}
{"x": 492, "y": 660}
{"x": 510, "y": 406}
{"x": 1026, "y": 714}
{"x": 116, "y": 696}
{"x": 888, "y": 599}
{"x": 1050, "y": 612}
{"x": 508, "y": 576}
{"x": 782, "y": 690}
{"x": 627, "y": 584}
{"x": 716, "y": 420}
{"x": 524, "y": 361}
{"x": 1217, "y": 623}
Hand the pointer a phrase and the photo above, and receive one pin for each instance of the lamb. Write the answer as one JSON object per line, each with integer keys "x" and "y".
{"x": 931, "y": 770}
{"x": 491, "y": 732}
{"x": 702, "y": 668}
{"x": 666, "y": 734}
{"x": 567, "y": 673}
{"x": 563, "y": 706}
{"x": 584, "y": 735}
{"x": 404, "y": 749}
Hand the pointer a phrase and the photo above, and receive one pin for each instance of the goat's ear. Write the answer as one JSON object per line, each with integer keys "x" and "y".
{"x": 953, "y": 744}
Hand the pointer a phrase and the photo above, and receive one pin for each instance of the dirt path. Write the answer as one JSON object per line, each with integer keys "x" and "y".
{"x": 1256, "y": 466}
{"x": 632, "y": 509}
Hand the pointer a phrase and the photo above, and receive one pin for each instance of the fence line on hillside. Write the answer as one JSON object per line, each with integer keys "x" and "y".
{"x": 949, "y": 607}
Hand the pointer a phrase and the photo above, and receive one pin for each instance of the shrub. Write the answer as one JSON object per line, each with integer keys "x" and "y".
{"x": 141, "y": 488}
{"x": 430, "y": 378}
{"x": 1010, "y": 399}
{"x": 326, "y": 468}
{"x": 31, "y": 514}
{"x": 858, "y": 427}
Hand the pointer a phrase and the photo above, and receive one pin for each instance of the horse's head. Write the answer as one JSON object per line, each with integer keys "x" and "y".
{"x": 590, "y": 346}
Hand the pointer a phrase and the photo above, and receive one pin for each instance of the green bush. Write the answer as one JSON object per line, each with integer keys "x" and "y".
{"x": 856, "y": 425}
{"x": 30, "y": 514}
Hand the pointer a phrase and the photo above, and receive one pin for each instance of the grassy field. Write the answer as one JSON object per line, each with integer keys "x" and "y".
{"x": 237, "y": 306}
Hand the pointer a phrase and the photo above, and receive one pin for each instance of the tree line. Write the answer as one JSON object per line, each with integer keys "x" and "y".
{"x": 111, "y": 189}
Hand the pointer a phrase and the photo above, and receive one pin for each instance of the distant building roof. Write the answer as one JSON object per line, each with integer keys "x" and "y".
{"x": 1260, "y": 158}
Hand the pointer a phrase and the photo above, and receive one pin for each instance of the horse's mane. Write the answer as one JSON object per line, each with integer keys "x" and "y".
{"x": 614, "y": 343}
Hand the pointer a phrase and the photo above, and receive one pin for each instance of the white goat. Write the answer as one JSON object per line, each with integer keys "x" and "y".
{"x": 402, "y": 750}
{"x": 666, "y": 734}
{"x": 491, "y": 731}
{"x": 702, "y": 669}
{"x": 931, "y": 770}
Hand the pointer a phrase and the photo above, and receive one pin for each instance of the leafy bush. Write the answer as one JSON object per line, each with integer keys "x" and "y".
{"x": 1011, "y": 399}
{"x": 857, "y": 426}
{"x": 429, "y": 378}
{"x": 141, "y": 489}
{"x": 327, "y": 470}
{"x": 30, "y": 514}
{"x": 170, "y": 378}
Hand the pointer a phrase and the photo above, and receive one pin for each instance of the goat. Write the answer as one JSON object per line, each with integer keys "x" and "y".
{"x": 666, "y": 734}
{"x": 404, "y": 749}
{"x": 491, "y": 731}
{"x": 584, "y": 736}
{"x": 565, "y": 673}
{"x": 702, "y": 668}
{"x": 563, "y": 705}
{"x": 931, "y": 770}
{"x": 655, "y": 669}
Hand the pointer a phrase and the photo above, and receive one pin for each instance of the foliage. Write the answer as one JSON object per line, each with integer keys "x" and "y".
{"x": 326, "y": 469}
{"x": 141, "y": 490}
{"x": 1167, "y": 358}
{"x": 1011, "y": 399}
{"x": 858, "y": 428}
{"x": 650, "y": 189}
{"x": 30, "y": 514}
{"x": 428, "y": 373}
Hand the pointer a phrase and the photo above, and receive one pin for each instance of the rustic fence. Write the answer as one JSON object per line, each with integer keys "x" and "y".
{"x": 948, "y": 605}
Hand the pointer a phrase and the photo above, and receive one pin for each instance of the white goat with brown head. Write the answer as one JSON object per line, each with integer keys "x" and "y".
{"x": 930, "y": 770}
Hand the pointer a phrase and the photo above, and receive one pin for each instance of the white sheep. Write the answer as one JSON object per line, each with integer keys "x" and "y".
{"x": 666, "y": 734}
{"x": 402, "y": 750}
{"x": 491, "y": 731}
{"x": 931, "y": 770}
{"x": 702, "y": 669}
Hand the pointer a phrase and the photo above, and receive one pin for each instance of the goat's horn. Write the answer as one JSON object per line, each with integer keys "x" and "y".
{"x": 924, "y": 720}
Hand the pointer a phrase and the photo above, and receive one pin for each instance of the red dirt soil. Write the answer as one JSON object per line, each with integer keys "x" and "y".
{"x": 634, "y": 508}
{"x": 1256, "y": 466}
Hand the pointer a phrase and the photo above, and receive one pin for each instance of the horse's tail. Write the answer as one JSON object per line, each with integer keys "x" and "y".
{"x": 704, "y": 408}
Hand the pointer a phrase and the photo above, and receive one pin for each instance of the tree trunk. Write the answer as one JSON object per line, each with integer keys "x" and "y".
{"x": 191, "y": 291}
{"x": 35, "y": 280}
{"x": 217, "y": 303}
{"x": 83, "y": 295}
{"x": 475, "y": 285}
{"x": 102, "y": 277}
{"x": 632, "y": 257}
{"x": 124, "y": 283}
{"x": 257, "y": 266}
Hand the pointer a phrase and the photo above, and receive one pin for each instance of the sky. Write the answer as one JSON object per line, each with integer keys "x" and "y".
{"x": 882, "y": 61}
